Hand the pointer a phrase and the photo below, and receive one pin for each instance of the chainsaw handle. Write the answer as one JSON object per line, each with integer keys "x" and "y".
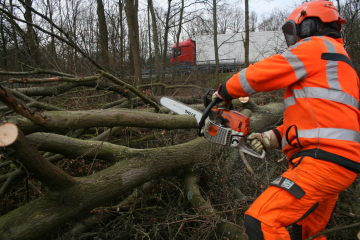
{"x": 206, "y": 96}
{"x": 205, "y": 115}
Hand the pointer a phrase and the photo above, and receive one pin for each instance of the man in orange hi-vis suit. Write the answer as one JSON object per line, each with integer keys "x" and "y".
{"x": 320, "y": 134}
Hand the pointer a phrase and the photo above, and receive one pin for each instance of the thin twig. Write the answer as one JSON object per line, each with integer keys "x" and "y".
{"x": 334, "y": 229}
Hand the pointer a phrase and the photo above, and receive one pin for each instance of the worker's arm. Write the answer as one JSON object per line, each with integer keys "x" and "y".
{"x": 274, "y": 72}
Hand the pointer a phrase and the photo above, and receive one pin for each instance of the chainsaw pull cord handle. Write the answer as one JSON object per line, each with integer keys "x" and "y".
{"x": 205, "y": 115}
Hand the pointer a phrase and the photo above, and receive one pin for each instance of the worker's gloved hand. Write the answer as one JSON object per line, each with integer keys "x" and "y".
{"x": 259, "y": 141}
{"x": 224, "y": 103}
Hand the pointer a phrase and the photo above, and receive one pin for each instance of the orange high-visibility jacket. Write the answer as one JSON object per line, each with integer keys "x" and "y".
{"x": 321, "y": 117}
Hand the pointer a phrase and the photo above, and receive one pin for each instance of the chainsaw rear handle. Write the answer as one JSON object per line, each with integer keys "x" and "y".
{"x": 205, "y": 115}
{"x": 206, "y": 100}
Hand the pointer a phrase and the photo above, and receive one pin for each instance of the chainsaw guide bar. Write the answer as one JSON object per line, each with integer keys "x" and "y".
{"x": 180, "y": 108}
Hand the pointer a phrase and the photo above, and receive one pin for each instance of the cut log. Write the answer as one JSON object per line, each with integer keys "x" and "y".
{"x": 8, "y": 134}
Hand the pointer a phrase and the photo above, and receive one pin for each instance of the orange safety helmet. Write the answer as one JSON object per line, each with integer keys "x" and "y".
{"x": 322, "y": 9}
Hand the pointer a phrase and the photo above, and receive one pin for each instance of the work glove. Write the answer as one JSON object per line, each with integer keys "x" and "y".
{"x": 259, "y": 141}
{"x": 225, "y": 104}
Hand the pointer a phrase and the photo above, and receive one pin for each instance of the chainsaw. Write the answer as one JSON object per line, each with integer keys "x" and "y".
{"x": 221, "y": 126}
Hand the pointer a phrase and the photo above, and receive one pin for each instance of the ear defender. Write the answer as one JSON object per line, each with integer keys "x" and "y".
{"x": 308, "y": 27}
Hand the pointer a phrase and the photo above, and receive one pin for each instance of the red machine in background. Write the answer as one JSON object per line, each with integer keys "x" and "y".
{"x": 186, "y": 52}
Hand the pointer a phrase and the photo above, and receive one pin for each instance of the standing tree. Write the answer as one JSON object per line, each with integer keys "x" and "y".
{"x": 166, "y": 32}
{"x": 30, "y": 34}
{"x": 247, "y": 33}
{"x": 3, "y": 41}
{"x": 103, "y": 33}
{"x": 216, "y": 42}
{"x": 177, "y": 49}
{"x": 131, "y": 10}
{"x": 155, "y": 36}
{"x": 253, "y": 20}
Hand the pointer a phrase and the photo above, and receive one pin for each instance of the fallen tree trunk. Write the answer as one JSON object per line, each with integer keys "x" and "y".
{"x": 59, "y": 205}
{"x": 55, "y": 208}
{"x": 59, "y": 121}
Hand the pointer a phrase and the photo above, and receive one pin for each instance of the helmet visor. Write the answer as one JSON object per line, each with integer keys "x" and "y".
{"x": 289, "y": 30}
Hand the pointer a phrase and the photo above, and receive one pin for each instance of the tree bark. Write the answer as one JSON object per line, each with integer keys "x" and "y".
{"x": 61, "y": 88}
{"x": 155, "y": 40}
{"x": 60, "y": 121}
{"x": 247, "y": 31}
{"x": 56, "y": 207}
{"x": 52, "y": 43}
{"x": 4, "y": 43}
{"x": 40, "y": 168}
{"x": 216, "y": 43}
{"x": 16, "y": 45}
{"x": 31, "y": 38}
{"x": 166, "y": 31}
{"x": 121, "y": 39}
{"x": 103, "y": 34}
{"x": 131, "y": 10}
{"x": 177, "y": 40}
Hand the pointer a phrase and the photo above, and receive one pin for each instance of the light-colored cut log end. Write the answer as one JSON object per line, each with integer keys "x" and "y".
{"x": 244, "y": 99}
{"x": 8, "y": 134}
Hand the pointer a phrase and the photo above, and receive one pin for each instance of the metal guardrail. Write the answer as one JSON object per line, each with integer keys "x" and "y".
{"x": 206, "y": 67}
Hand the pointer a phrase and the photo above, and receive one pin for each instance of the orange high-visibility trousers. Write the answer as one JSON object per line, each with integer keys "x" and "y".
{"x": 303, "y": 197}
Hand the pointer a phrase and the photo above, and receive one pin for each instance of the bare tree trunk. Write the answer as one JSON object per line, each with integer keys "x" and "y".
{"x": 166, "y": 31}
{"x": 52, "y": 43}
{"x": 247, "y": 31}
{"x": 177, "y": 40}
{"x": 338, "y": 5}
{"x": 31, "y": 38}
{"x": 16, "y": 45}
{"x": 131, "y": 10}
{"x": 121, "y": 38}
{"x": 150, "y": 49}
{"x": 3, "y": 40}
{"x": 103, "y": 34}
{"x": 155, "y": 41}
{"x": 216, "y": 43}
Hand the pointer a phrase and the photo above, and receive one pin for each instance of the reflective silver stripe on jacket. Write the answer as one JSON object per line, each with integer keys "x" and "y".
{"x": 299, "y": 43}
{"x": 331, "y": 67}
{"x": 289, "y": 101}
{"x": 327, "y": 133}
{"x": 322, "y": 93}
{"x": 244, "y": 83}
{"x": 292, "y": 59}
{"x": 296, "y": 64}
{"x": 334, "y": 93}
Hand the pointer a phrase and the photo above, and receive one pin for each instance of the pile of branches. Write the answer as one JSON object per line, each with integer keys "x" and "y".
{"x": 128, "y": 169}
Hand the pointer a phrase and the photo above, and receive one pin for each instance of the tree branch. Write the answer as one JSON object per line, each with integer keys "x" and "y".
{"x": 38, "y": 167}
{"x": 18, "y": 107}
{"x": 53, "y": 79}
{"x": 131, "y": 88}
{"x": 59, "y": 121}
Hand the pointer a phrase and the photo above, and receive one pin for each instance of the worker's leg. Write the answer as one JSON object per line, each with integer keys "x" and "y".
{"x": 299, "y": 193}
{"x": 317, "y": 220}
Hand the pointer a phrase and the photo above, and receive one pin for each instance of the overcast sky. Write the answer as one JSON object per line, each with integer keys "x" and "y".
{"x": 259, "y": 6}
{"x": 266, "y": 6}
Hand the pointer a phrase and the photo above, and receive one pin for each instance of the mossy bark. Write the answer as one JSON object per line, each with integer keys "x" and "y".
{"x": 60, "y": 121}
{"x": 37, "y": 218}
{"x": 60, "y": 204}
